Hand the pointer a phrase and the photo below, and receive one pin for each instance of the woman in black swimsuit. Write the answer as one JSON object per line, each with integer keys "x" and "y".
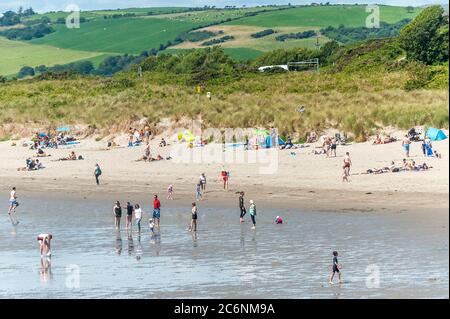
{"x": 194, "y": 218}
{"x": 117, "y": 214}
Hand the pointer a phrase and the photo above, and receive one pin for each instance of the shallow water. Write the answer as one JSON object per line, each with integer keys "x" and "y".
{"x": 225, "y": 259}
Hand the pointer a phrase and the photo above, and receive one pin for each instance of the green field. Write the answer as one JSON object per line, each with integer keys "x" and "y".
{"x": 323, "y": 16}
{"x": 17, "y": 54}
{"x": 125, "y": 35}
{"x": 101, "y": 37}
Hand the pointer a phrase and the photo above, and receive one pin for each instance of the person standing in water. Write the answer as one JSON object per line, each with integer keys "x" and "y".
{"x": 253, "y": 213}
{"x": 242, "y": 207}
{"x": 44, "y": 244}
{"x": 97, "y": 173}
{"x": 193, "y": 218}
{"x": 156, "y": 210}
{"x": 335, "y": 268}
{"x": 198, "y": 192}
{"x": 138, "y": 216}
{"x": 117, "y": 210}
{"x": 13, "y": 204}
{"x": 129, "y": 219}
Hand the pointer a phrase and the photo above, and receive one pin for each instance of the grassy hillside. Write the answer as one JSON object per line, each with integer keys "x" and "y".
{"x": 126, "y": 35}
{"x": 362, "y": 91}
{"x": 16, "y": 54}
{"x": 323, "y": 16}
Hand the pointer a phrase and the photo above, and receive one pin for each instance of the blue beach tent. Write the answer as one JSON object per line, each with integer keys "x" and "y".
{"x": 435, "y": 134}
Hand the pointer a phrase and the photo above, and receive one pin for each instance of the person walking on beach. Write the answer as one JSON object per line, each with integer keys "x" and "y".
{"x": 253, "y": 213}
{"x": 198, "y": 192}
{"x": 242, "y": 207}
{"x": 156, "y": 210}
{"x": 406, "y": 143}
{"x": 194, "y": 217}
{"x": 225, "y": 177}
{"x": 170, "y": 192}
{"x": 13, "y": 204}
{"x": 335, "y": 268}
{"x": 202, "y": 181}
{"x": 346, "y": 167}
{"x": 129, "y": 219}
{"x": 44, "y": 244}
{"x": 97, "y": 173}
{"x": 117, "y": 210}
{"x": 333, "y": 147}
{"x": 138, "y": 216}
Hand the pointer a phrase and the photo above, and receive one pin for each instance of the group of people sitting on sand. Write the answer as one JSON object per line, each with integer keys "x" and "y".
{"x": 407, "y": 165}
{"x": 147, "y": 157}
{"x": 31, "y": 165}
{"x": 42, "y": 140}
{"x": 138, "y": 136}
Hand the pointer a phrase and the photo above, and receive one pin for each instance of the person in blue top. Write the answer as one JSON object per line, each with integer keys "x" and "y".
{"x": 97, "y": 173}
{"x": 335, "y": 268}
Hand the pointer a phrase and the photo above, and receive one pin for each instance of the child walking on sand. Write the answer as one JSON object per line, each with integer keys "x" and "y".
{"x": 335, "y": 268}
{"x": 170, "y": 192}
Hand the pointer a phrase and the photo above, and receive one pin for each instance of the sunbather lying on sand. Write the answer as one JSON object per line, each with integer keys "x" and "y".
{"x": 71, "y": 157}
{"x": 385, "y": 140}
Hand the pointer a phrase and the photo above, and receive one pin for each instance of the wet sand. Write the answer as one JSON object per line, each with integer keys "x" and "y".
{"x": 225, "y": 259}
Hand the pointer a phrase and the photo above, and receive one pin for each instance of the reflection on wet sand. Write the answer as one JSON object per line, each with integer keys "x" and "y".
{"x": 225, "y": 259}
{"x": 45, "y": 272}
{"x": 119, "y": 243}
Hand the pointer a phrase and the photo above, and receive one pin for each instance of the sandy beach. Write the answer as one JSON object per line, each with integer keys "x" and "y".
{"x": 300, "y": 179}
{"x": 395, "y": 222}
